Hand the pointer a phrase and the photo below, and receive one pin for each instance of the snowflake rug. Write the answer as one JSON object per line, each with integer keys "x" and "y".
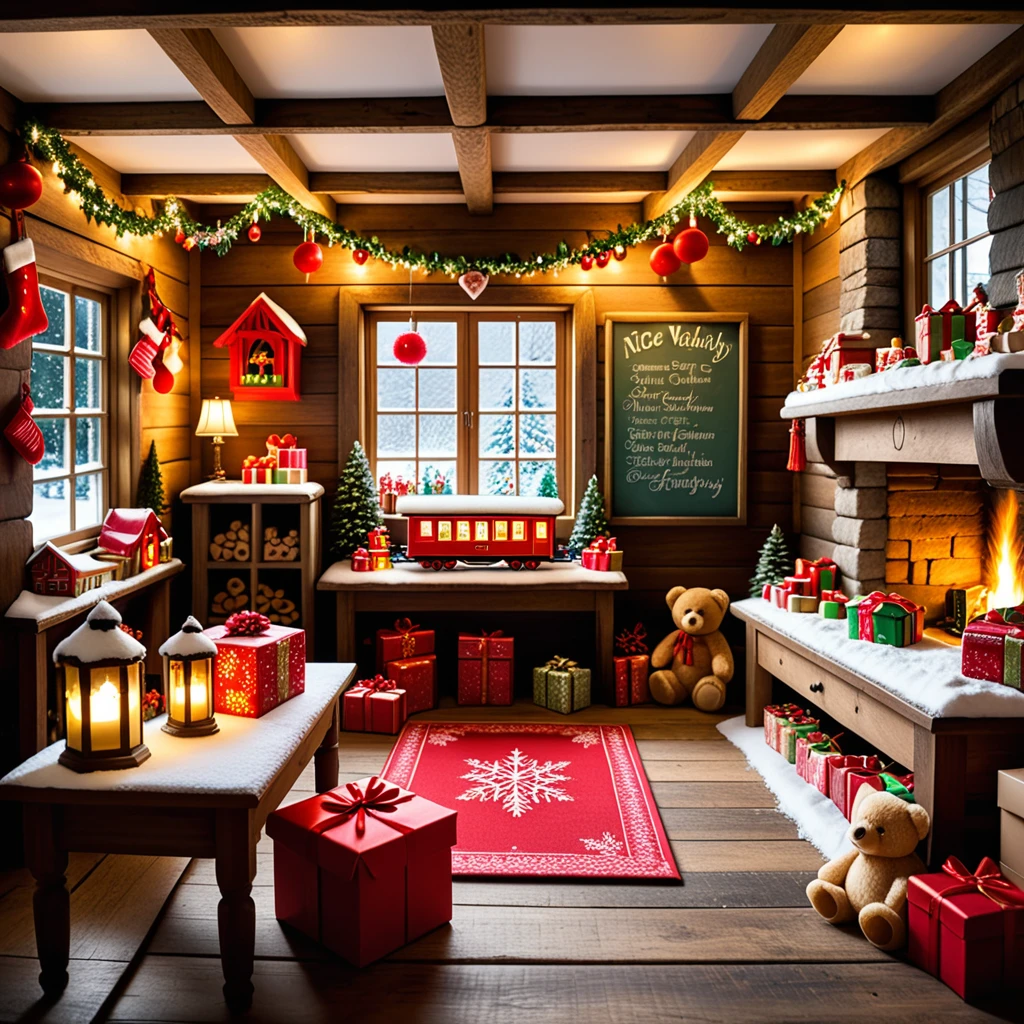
{"x": 538, "y": 800}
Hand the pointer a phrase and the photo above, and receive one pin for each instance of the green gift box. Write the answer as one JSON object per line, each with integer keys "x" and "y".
{"x": 561, "y": 685}
{"x": 804, "y": 725}
{"x": 852, "y": 616}
{"x": 832, "y": 609}
{"x": 1011, "y": 662}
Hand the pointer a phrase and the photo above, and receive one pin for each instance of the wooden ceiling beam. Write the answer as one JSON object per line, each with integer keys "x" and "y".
{"x": 200, "y": 58}
{"x": 985, "y": 79}
{"x": 160, "y": 186}
{"x": 460, "y": 54}
{"x": 794, "y": 183}
{"x": 691, "y": 167}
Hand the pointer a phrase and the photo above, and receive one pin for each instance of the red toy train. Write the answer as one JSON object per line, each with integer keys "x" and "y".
{"x": 480, "y": 529}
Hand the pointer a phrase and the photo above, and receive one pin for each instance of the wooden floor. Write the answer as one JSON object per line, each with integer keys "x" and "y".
{"x": 737, "y": 942}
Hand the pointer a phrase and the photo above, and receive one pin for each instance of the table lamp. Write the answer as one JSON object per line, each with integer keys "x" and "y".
{"x": 216, "y": 421}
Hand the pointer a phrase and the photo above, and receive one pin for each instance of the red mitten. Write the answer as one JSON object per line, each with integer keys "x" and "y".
{"x": 23, "y": 432}
{"x": 24, "y": 316}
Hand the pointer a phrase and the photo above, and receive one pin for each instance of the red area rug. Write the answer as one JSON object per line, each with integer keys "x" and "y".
{"x": 538, "y": 800}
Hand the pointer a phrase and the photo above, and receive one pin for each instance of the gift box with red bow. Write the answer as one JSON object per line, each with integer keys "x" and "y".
{"x": 258, "y": 665}
{"x": 258, "y": 469}
{"x": 839, "y": 765}
{"x": 288, "y": 455}
{"x": 967, "y": 928}
{"x": 632, "y": 667}
{"x": 774, "y": 716}
{"x": 374, "y": 705}
{"x": 937, "y": 329}
{"x": 418, "y": 677}
{"x": 832, "y": 604}
{"x": 857, "y": 778}
{"x": 822, "y": 572}
{"x": 992, "y": 646}
{"x": 791, "y": 730}
{"x": 598, "y": 555}
{"x": 404, "y": 640}
{"x": 363, "y": 869}
{"x": 361, "y": 560}
{"x": 812, "y": 754}
{"x": 889, "y": 619}
{"x": 844, "y": 349}
{"x": 486, "y": 663}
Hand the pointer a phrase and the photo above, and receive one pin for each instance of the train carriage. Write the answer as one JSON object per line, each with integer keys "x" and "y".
{"x": 480, "y": 529}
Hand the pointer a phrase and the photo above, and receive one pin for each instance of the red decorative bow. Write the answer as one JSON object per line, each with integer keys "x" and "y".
{"x": 380, "y": 797}
{"x": 405, "y": 626}
{"x": 986, "y": 879}
{"x": 246, "y": 624}
{"x": 288, "y": 441}
{"x": 599, "y": 544}
{"x": 631, "y": 642}
{"x": 378, "y": 684}
{"x": 684, "y": 647}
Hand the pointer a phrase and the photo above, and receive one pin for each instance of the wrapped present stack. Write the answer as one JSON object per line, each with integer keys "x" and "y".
{"x": 361, "y": 561}
{"x": 793, "y": 729}
{"x": 486, "y": 668}
{"x": 632, "y": 667}
{"x": 363, "y": 869}
{"x": 374, "y": 705}
{"x": 405, "y": 654}
{"x": 955, "y": 332}
{"x": 885, "y": 619}
{"x": 258, "y": 665}
{"x": 561, "y": 685}
{"x": 847, "y": 356}
{"x": 775, "y": 716}
{"x": 379, "y": 544}
{"x": 390, "y": 489}
{"x": 992, "y": 647}
{"x": 292, "y": 466}
{"x": 822, "y": 572}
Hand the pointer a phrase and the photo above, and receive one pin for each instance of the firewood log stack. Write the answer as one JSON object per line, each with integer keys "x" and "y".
{"x": 280, "y": 549}
{"x": 278, "y": 608}
{"x": 227, "y": 601}
{"x": 232, "y": 545}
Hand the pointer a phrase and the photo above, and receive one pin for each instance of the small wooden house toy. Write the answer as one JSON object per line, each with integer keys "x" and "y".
{"x": 55, "y": 573}
{"x": 265, "y": 345}
{"x": 134, "y": 537}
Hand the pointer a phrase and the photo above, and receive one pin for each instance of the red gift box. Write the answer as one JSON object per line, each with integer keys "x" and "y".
{"x": 776, "y": 594}
{"x": 991, "y": 647}
{"x": 838, "y": 766}
{"x": 404, "y": 640}
{"x": 937, "y": 329}
{"x": 598, "y": 554}
{"x": 374, "y": 705}
{"x": 253, "y": 674}
{"x": 631, "y": 674}
{"x": 361, "y": 560}
{"x": 485, "y": 668}
{"x": 873, "y": 780}
{"x": 812, "y": 753}
{"x": 418, "y": 677}
{"x": 773, "y": 715}
{"x": 845, "y": 348}
{"x": 292, "y": 458}
{"x": 255, "y": 475}
{"x": 967, "y": 929}
{"x": 364, "y": 869}
{"x": 822, "y": 572}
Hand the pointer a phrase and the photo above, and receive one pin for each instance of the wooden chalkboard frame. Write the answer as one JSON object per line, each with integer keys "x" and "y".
{"x": 742, "y": 320}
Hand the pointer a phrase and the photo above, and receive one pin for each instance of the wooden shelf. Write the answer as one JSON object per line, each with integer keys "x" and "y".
{"x": 250, "y": 564}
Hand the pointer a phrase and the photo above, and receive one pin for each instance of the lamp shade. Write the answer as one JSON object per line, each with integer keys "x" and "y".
{"x": 216, "y": 419}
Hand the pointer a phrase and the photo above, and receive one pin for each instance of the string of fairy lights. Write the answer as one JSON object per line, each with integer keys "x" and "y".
{"x": 173, "y": 218}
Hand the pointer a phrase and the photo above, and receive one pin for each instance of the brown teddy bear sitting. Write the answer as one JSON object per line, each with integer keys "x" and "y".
{"x": 694, "y": 660}
{"x": 870, "y": 882}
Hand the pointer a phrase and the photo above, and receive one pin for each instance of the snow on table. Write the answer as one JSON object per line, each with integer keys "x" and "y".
{"x": 926, "y": 675}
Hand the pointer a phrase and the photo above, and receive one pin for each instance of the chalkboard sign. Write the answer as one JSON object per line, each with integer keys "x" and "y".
{"x": 676, "y": 418}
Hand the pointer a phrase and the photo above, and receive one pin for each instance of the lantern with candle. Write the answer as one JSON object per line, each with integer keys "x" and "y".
{"x": 188, "y": 681}
{"x": 100, "y": 670}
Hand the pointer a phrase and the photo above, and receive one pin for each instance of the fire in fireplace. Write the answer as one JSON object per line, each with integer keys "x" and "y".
{"x": 1005, "y": 586}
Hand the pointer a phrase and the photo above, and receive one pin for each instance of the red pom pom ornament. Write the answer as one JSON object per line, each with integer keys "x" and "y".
{"x": 308, "y": 258}
{"x": 360, "y": 256}
{"x": 254, "y": 232}
{"x": 690, "y": 245}
{"x": 21, "y": 185}
{"x": 620, "y": 252}
{"x": 752, "y": 237}
{"x": 410, "y": 348}
{"x": 664, "y": 261}
{"x": 586, "y": 261}
{"x": 603, "y": 259}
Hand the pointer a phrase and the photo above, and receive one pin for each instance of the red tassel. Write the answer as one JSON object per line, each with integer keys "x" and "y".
{"x": 797, "y": 447}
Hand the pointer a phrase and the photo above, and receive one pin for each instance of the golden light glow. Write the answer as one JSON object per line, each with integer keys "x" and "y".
{"x": 1004, "y": 582}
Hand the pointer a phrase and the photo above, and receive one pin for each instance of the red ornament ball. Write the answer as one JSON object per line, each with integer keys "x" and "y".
{"x": 664, "y": 261}
{"x": 586, "y": 261}
{"x": 603, "y": 259}
{"x": 752, "y": 237}
{"x": 360, "y": 256}
{"x": 254, "y": 232}
{"x": 691, "y": 245}
{"x": 308, "y": 258}
{"x": 21, "y": 185}
{"x": 179, "y": 236}
{"x": 620, "y": 253}
{"x": 410, "y": 348}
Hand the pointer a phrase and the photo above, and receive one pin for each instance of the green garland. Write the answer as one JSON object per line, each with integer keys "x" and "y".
{"x": 79, "y": 184}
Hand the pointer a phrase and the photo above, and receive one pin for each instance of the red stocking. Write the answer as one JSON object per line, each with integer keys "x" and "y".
{"x": 23, "y": 432}
{"x": 141, "y": 357}
{"x": 24, "y": 316}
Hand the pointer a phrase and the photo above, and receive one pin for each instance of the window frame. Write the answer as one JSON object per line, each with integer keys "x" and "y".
{"x": 75, "y": 289}
{"x": 467, "y": 366}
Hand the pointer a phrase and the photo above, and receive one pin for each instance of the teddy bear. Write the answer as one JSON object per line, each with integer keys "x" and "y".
{"x": 694, "y": 660}
{"x": 869, "y": 882}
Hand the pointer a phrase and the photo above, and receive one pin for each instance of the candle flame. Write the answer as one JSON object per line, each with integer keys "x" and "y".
{"x": 1005, "y": 583}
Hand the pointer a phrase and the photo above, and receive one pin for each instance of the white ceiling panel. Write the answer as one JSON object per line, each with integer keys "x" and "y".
{"x": 396, "y": 199}
{"x": 163, "y": 154}
{"x": 905, "y": 60}
{"x": 541, "y": 198}
{"x": 334, "y": 62}
{"x": 796, "y": 151}
{"x": 586, "y": 151}
{"x": 409, "y": 151}
{"x": 101, "y": 66}
{"x": 534, "y": 60}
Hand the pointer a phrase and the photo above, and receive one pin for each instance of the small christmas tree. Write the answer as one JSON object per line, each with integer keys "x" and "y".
{"x": 150, "y": 492}
{"x": 590, "y": 519}
{"x": 548, "y": 483}
{"x": 773, "y": 564}
{"x": 356, "y": 508}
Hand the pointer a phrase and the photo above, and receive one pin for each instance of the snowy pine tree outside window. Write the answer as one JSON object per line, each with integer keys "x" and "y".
{"x": 69, "y": 391}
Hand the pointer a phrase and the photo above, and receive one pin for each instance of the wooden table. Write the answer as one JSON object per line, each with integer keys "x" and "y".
{"x": 196, "y": 797}
{"x": 955, "y": 760}
{"x": 554, "y": 587}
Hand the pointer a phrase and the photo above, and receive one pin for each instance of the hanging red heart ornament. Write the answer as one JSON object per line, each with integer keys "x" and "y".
{"x": 473, "y": 282}
{"x": 410, "y": 348}
{"x": 360, "y": 256}
{"x": 691, "y": 245}
{"x": 664, "y": 261}
{"x": 21, "y": 185}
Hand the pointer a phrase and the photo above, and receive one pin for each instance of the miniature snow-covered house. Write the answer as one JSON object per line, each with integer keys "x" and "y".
{"x": 135, "y": 538}
{"x": 266, "y": 346}
{"x": 55, "y": 573}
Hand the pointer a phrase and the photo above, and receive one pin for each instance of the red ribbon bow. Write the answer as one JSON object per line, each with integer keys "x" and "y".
{"x": 378, "y": 684}
{"x": 599, "y": 544}
{"x": 288, "y": 441}
{"x": 987, "y": 879}
{"x": 631, "y": 642}
{"x": 684, "y": 647}
{"x": 380, "y": 797}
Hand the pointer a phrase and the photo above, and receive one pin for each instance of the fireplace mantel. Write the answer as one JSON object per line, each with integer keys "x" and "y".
{"x": 973, "y": 421}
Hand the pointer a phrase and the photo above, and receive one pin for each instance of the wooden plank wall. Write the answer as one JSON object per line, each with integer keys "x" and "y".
{"x": 757, "y": 281}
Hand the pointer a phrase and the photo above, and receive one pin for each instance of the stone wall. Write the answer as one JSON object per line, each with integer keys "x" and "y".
{"x": 1006, "y": 214}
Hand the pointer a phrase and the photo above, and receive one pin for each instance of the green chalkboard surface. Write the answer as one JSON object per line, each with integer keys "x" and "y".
{"x": 675, "y": 417}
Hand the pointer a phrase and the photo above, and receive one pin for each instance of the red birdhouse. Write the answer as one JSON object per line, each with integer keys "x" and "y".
{"x": 266, "y": 347}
